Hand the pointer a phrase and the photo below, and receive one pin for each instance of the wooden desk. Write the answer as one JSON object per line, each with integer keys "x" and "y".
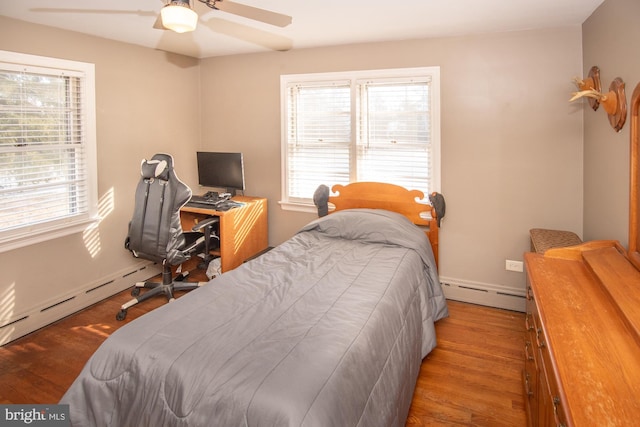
{"x": 243, "y": 231}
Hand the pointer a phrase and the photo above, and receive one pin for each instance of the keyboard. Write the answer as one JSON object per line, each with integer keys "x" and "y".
{"x": 203, "y": 200}
{"x": 219, "y": 204}
{"x": 225, "y": 205}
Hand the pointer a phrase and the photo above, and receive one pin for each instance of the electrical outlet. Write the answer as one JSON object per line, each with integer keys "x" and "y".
{"x": 511, "y": 265}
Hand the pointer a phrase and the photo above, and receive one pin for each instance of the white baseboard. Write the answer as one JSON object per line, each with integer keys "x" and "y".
{"x": 498, "y": 296}
{"x": 16, "y": 325}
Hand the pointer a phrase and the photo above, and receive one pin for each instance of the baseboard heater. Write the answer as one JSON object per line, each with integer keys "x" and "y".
{"x": 16, "y": 325}
{"x": 499, "y": 296}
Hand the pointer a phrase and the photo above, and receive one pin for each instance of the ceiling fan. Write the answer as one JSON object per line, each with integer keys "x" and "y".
{"x": 179, "y": 16}
{"x": 248, "y": 33}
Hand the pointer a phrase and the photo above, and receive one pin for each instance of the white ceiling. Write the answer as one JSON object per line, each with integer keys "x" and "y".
{"x": 315, "y": 23}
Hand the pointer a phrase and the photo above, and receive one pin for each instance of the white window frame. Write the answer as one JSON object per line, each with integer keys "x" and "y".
{"x": 29, "y": 234}
{"x": 433, "y": 73}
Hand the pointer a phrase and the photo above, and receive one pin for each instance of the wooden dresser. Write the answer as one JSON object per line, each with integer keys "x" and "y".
{"x": 582, "y": 338}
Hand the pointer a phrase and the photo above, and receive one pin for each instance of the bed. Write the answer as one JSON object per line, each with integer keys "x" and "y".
{"x": 327, "y": 329}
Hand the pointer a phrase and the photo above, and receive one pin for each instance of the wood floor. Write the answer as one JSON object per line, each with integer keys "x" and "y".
{"x": 471, "y": 379}
{"x": 474, "y": 376}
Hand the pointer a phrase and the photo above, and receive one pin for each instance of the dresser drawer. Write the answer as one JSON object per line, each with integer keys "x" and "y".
{"x": 555, "y": 411}
{"x": 530, "y": 383}
{"x": 532, "y": 318}
{"x": 543, "y": 403}
{"x": 530, "y": 371}
{"x": 543, "y": 383}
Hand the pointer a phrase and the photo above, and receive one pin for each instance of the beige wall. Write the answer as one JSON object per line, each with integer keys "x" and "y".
{"x": 610, "y": 41}
{"x": 511, "y": 143}
{"x": 146, "y": 102}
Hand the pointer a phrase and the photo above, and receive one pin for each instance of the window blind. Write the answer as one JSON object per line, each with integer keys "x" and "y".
{"x": 44, "y": 179}
{"x": 362, "y": 128}
{"x": 318, "y": 136}
{"x": 394, "y": 133}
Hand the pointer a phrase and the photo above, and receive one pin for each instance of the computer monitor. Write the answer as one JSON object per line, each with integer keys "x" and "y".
{"x": 221, "y": 170}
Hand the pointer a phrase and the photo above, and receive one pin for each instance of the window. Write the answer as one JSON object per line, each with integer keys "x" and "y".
{"x": 359, "y": 126}
{"x": 47, "y": 148}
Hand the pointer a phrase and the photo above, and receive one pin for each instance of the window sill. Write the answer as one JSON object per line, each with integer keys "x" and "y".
{"x": 298, "y": 207}
{"x": 32, "y": 237}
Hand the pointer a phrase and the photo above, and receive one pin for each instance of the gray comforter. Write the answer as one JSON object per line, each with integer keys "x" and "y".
{"x": 327, "y": 329}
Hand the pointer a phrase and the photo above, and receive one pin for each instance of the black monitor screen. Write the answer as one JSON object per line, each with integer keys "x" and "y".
{"x": 221, "y": 170}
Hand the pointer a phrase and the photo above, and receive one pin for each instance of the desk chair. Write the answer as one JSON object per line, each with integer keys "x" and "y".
{"x": 155, "y": 232}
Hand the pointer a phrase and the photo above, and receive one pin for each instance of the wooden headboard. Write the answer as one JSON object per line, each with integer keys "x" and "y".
{"x": 378, "y": 195}
{"x": 634, "y": 184}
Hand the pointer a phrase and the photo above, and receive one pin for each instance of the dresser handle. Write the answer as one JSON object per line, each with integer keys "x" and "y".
{"x": 556, "y": 403}
{"x": 526, "y": 382}
{"x": 540, "y": 342}
{"x": 528, "y": 323}
{"x": 527, "y": 345}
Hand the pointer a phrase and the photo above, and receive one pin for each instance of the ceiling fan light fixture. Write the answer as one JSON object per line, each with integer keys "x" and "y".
{"x": 179, "y": 17}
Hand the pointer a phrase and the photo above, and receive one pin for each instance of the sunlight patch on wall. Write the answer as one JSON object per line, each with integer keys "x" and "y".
{"x": 7, "y": 305}
{"x": 91, "y": 235}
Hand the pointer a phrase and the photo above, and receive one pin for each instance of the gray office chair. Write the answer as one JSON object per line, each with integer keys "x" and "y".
{"x": 155, "y": 232}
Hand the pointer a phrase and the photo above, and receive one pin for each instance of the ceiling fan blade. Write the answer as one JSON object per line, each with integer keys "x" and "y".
{"x": 249, "y": 34}
{"x": 262, "y": 15}
{"x": 98, "y": 11}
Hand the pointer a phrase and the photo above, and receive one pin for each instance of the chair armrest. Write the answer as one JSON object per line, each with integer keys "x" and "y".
{"x": 205, "y": 223}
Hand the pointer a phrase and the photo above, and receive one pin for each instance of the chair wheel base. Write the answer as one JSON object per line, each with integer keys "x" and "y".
{"x": 121, "y": 315}
{"x": 135, "y": 291}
